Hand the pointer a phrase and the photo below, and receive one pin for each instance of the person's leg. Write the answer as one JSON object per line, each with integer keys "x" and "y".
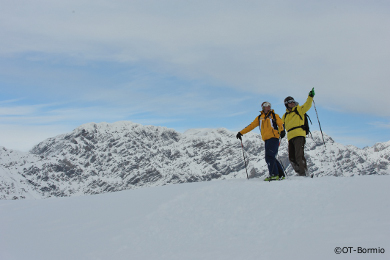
{"x": 271, "y": 149}
{"x": 299, "y": 144}
{"x": 280, "y": 169}
{"x": 291, "y": 155}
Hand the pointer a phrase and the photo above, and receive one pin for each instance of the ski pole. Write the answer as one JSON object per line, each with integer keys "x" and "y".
{"x": 281, "y": 164}
{"x": 243, "y": 154}
{"x": 314, "y": 103}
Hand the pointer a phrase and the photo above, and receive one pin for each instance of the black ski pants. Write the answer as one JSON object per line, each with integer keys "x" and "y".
{"x": 296, "y": 148}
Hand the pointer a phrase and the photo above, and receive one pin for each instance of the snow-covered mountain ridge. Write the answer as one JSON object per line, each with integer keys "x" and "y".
{"x": 98, "y": 158}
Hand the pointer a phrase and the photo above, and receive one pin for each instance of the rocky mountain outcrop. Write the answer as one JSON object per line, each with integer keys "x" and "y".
{"x": 98, "y": 158}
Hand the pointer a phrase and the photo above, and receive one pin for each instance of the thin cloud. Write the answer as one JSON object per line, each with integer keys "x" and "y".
{"x": 385, "y": 125}
{"x": 340, "y": 48}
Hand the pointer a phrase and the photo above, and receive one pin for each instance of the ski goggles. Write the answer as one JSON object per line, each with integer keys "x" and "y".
{"x": 266, "y": 104}
{"x": 290, "y": 101}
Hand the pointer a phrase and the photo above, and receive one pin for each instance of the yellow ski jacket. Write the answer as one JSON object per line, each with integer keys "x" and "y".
{"x": 291, "y": 119}
{"x": 270, "y": 125}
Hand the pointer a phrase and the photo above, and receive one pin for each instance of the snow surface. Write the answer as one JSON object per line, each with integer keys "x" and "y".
{"x": 299, "y": 218}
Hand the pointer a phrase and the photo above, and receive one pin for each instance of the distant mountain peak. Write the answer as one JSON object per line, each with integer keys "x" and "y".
{"x": 105, "y": 157}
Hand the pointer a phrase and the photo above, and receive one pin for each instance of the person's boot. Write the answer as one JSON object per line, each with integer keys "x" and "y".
{"x": 272, "y": 178}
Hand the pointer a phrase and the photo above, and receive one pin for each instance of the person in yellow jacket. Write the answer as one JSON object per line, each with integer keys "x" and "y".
{"x": 271, "y": 128}
{"x": 293, "y": 121}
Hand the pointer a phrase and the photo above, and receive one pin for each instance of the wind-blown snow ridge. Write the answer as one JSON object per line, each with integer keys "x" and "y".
{"x": 106, "y": 157}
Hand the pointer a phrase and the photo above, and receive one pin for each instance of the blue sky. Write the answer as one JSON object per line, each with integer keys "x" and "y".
{"x": 192, "y": 64}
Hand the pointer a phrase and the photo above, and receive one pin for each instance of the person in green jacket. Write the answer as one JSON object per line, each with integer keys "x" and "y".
{"x": 293, "y": 121}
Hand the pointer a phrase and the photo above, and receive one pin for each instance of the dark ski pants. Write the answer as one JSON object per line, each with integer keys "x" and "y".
{"x": 271, "y": 150}
{"x": 296, "y": 147}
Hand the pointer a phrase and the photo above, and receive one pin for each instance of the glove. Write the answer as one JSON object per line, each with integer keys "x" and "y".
{"x": 282, "y": 134}
{"x": 312, "y": 93}
{"x": 239, "y": 136}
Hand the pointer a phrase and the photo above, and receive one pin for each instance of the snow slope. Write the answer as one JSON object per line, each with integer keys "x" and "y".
{"x": 299, "y": 218}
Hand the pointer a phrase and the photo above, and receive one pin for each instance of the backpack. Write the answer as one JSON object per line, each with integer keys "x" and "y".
{"x": 305, "y": 125}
